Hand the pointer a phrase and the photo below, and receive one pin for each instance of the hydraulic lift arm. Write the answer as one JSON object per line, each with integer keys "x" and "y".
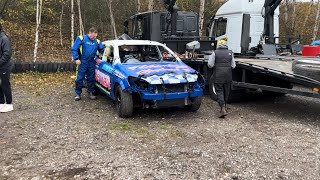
{"x": 270, "y": 6}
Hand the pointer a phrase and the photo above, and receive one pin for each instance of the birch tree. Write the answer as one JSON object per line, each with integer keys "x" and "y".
{"x": 38, "y": 22}
{"x": 113, "y": 24}
{"x": 293, "y": 25}
{"x": 81, "y": 27}
{"x": 316, "y": 23}
{"x": 286, "y": 4}
{"x": 201, "y": 16}
{"x": 150, "y": 5}
{"x": 60, "y": 24}
{"x": 308, "y": 14}
{"x": 139, "y": 5}
{"x": 72, "y": 22}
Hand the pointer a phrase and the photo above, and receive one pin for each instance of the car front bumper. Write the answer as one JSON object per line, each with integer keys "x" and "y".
{"x": 170, "y": 96}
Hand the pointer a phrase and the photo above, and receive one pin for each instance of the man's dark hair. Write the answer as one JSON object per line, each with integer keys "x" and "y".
{"x": 0, "y": 27}
{"x": 93, "y": 30}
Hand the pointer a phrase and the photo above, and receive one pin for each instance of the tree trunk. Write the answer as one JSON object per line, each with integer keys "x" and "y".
{"x": 201, "y": 16}
{"x": 81, "y": 28}
{"x": 72, "y": 22}
{"x": 308, "y": 14}
{"x": 61, "y": 16}
{"x": 316, "y": 24}
{"x": 293, "y": 25}
{"x": 38, "y": 22}
{"x": 113, "y": 24}
{"x": 150, "y": 5}
{"x": 139, "y": 5}
{"x": 286, "y": 15}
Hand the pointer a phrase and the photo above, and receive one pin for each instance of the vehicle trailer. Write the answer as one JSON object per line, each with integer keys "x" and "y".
{"x": 272, "y": 77}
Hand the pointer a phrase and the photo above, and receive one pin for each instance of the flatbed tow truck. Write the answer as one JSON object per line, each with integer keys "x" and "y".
{"x": 271, "y": 74}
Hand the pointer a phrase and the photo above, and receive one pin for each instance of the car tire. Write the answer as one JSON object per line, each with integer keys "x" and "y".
{"x": 124, "y": 103}
{"x": 304, "y": 61}
{"x": 212, "y": 93}
{"x": 195, "y": 104}
{"x": 307, "y": 70}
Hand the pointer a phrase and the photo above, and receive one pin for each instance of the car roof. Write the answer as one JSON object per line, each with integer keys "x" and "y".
{"x": 132, "y": 42}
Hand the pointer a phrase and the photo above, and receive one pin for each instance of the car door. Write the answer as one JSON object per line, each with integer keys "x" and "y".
{"x": 104, "y": 73}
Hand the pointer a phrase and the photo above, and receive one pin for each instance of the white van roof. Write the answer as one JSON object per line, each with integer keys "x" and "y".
{"x": 243, "y": 7}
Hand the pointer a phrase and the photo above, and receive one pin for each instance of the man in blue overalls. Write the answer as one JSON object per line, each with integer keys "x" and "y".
{"x": 83, "y": 52}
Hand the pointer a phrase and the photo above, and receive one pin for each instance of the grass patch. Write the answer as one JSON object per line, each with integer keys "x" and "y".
{"x": 164, "y": 126}
{"x": 40, "y": 84}
{"x": 175, "y": 133}
{"x": 121, "y": 126}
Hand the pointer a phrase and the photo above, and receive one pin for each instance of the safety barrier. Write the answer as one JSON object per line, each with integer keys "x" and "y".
{"x": 43, "y": 67}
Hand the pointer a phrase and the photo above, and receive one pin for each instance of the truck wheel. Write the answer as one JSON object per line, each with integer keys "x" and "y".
{"x": 124, "y": 103}
{"x": 213, "y": 95}
{"x": 310, "y": 71}
{"x": 196, "y": 103}
{"x": 304, "y": 61}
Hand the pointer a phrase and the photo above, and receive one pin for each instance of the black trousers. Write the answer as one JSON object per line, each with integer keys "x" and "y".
{"x": 223, "y": 92}
{"x": 5, "y": 88}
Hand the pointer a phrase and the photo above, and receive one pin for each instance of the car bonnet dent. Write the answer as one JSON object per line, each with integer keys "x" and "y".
{"x": 171, "y": 78}
{"x": 163, "y": 73}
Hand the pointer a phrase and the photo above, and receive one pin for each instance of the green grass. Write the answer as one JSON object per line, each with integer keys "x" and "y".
{"x": 121, "y": 126}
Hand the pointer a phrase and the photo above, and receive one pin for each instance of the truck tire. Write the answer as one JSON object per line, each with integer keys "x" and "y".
{"x": 304, "y": 61}
{"x": 212, "y": 93}
{"x": 124, "y": 103}
{"x": 195, "y": 104}
{"x": 307, "y": 70}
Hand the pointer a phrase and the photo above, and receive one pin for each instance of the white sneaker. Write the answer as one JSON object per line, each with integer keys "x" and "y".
{"x": 1, "y": 106}
{"x": 6, "y": 108}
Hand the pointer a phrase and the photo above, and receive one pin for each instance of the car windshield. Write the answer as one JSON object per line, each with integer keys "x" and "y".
{"x": 132, "y": 54}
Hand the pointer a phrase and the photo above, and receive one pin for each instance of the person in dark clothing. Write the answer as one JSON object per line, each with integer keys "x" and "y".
{"x": 5, "y": 70}
{"x": 222, "y": 60}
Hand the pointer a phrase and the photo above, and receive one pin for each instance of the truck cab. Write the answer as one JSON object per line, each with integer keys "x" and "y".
{"x": 242, "y": 22}
{"x": 156, "y": 26}
{"x": 153, "y": 26}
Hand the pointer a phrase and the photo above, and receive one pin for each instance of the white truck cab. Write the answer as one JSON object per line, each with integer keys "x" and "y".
{"x": 242, "y": 22}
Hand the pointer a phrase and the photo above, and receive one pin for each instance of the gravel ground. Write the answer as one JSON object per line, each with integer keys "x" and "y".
{"x": 50, "y": 136}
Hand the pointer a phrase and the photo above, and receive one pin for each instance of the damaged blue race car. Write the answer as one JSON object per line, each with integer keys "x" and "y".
{"x": 147, "y": 74}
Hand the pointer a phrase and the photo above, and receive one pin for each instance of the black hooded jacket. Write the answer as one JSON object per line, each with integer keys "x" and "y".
{"x": 5, "y": 53}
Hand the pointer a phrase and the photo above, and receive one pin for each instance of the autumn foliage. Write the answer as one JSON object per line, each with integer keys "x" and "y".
{"x": 19, "y": 21}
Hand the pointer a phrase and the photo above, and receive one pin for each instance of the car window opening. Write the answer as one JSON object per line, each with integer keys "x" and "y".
{"x": 133, "y": 54}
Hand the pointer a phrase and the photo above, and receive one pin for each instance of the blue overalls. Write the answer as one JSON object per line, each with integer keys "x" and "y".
{"x": 85, "y": 49}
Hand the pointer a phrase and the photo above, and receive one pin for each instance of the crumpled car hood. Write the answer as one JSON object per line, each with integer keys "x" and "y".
{"x": 171, "y": 78}
{"x": 164, "y": 72}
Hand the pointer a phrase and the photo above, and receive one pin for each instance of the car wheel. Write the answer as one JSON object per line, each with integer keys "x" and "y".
{"x": 195, "y": 104}
{"x": 124, "y": 103}
{"x": 310, "y": 71}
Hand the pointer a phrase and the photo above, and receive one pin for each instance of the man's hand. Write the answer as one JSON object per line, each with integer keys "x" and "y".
{"x": 98, "y": 61}
{"x": 78, "y": 62}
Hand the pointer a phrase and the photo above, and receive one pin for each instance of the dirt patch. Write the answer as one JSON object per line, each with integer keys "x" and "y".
{"x": 50, "y": 136}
